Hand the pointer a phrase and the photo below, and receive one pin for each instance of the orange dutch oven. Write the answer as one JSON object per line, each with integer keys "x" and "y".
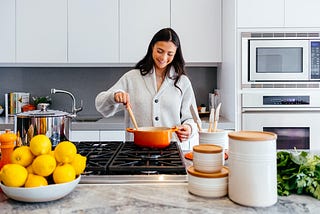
{"x": 152, "y": 137}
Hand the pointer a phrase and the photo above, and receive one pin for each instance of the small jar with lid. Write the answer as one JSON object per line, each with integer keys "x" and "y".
{"x": 7, "y": 144}
{"x": 208, "y": 184}
{"x": 208, "y": 158}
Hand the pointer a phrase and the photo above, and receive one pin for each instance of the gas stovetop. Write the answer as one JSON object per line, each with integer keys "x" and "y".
{"x": 124, "y": 162}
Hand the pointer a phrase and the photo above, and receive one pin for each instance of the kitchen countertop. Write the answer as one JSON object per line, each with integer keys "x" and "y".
{"x": 151, "y": 198}
{"x": 113, "y": 123}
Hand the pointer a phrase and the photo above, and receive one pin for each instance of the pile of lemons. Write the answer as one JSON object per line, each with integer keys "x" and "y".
{"x": 38, "y": 165}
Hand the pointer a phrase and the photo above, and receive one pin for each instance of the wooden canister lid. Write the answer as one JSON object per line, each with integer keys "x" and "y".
{"x": 252, "y": 135}
{"x": 223, "y": 173}
{"x": 207, "y": 148}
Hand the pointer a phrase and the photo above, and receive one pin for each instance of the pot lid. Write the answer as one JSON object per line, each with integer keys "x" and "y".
{"x": 41, "y": 113}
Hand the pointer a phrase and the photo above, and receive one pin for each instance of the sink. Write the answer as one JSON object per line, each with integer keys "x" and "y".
{"x": 86, "y": 118}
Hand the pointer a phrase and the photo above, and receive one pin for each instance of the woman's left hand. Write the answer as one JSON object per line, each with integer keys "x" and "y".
{"x": 184, "y": 132}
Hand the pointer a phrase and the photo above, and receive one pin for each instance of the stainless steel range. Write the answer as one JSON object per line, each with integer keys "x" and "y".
{"x": 124, "y": 162}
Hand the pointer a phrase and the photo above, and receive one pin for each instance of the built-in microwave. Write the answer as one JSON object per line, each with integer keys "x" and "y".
{"x": 280, "y": 57}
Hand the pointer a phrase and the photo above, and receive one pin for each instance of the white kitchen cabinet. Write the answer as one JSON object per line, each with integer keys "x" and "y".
{"x": 93, "y": 31}
{"x": 198, "y": 24}
{"x": 112, "y": 136}
{"x": 302, "y": 13}
{"x": 7, "y": 29}
{"x": 139, "y": 21}
{"x": 84, "y": 135}
{"x": 41, "y": 31}
{"x": 260, "y": 13}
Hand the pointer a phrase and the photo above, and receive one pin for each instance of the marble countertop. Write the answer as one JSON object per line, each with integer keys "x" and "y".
{"x": 151, "y": 198}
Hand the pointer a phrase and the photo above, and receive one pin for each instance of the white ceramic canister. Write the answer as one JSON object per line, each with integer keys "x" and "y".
{"x": 220, "y": 137}
{"x": 208, "y": 184}
{"x": 253, "y": 168}
{"x": 208, "y": 158}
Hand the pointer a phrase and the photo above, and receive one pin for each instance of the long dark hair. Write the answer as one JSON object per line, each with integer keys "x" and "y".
{"x": 169, "y": 35}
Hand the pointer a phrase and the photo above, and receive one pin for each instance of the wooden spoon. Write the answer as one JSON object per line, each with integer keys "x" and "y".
{"x": 216, "y": 117}
{"x": 133, "y": 119}
{"x": 211, "y": 119}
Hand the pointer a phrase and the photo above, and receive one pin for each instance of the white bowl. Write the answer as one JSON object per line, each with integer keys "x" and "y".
{"x": 40, "y": 194}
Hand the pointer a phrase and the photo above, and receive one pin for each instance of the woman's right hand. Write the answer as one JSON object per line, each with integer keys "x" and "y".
{"x": 122, "y": 97}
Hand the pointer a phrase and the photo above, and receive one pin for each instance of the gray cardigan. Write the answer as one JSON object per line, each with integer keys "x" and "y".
{"x": 167, "y": 107}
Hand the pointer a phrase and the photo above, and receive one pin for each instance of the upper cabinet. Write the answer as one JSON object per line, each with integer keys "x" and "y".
{"x": 41, "y": 31}
{"x": 302, "y": 13}
{"x": 93, "y": 31}
{"x": 105, "y": 32}
{"x": 198, "y": 24}
{"x": 260, "y": 13}
{"x": 139, "y": 21}
{"x": 278, "y": 13}
{"x": 7, "y": 29}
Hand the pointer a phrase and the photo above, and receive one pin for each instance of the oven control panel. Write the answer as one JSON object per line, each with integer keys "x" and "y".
{"x": 286, "y": 100}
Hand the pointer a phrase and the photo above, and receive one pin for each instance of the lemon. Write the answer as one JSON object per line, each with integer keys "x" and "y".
{"x": 22, "y": 155}
{"x": 65, "y": 152}
{"x": 79, "y": 163}
{"x": 29, "y": 169}
{"x": 64, "y": 173}
{"x": 40, "y": 145}
{"x": 44, "y": 165}
{"x": 13, "y": 175}
{"x": 35, "y": 181}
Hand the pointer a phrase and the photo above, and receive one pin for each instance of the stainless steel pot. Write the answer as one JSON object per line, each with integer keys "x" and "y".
{"x": 52, "y": 123}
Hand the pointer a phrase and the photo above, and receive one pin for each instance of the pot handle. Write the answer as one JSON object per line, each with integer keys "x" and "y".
{"x": 131, "y": 130}
{"x": 174, "y": 129}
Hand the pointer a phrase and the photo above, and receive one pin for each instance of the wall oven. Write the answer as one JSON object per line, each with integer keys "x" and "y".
{"x": 293, "y": 115}
{"x": 280, "y": 57}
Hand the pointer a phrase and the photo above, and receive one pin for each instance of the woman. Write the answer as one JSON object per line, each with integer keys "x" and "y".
{"x": 158, "y": 89}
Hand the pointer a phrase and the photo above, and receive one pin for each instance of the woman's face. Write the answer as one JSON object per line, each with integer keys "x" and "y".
{"x": 163, "y": 54}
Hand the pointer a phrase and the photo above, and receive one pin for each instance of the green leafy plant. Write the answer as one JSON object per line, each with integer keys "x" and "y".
{"x": 37, "y": 100}
{"x": 298, "y": 172}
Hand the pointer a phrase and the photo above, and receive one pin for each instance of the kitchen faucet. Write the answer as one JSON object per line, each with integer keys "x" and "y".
{"x": 74, "y": 109}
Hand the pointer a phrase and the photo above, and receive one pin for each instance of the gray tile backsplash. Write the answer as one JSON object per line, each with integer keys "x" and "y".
{"x": 85, "y": 83}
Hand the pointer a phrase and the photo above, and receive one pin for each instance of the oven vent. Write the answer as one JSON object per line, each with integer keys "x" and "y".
{"x": 281, "y": 34}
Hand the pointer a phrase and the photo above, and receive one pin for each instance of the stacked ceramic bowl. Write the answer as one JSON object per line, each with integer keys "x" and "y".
{"x": 208, "y": 177}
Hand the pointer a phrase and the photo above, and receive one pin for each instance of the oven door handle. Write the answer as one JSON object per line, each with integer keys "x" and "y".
{"x": 284, "y": 109}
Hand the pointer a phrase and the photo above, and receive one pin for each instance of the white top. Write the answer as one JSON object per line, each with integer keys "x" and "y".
{"x": 167, "y": 107}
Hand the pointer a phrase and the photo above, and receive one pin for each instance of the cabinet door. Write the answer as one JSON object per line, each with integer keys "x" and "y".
{"x": 41, "y": 31}
{"x": 198, "y": 24}
{"x": 260, "y": 13}
{"x": 93, "y": 35}
{"x": 139, "y": 21}
{"x": 7, "y": 29}
{"x": 302, "y": 14}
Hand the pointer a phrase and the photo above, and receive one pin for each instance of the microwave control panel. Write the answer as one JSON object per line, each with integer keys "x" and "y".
{"x": 315, "y": 59}
{"x": 286, "y": 100}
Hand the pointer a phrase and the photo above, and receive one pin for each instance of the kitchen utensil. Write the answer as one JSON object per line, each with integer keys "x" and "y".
{"x": 7, "y": 140}
{"x": 195, "y": 117}
{"x": 216, "y": 118}
{"x": 152, "y": 137}
{"x": 211, "y": 119}
{"x": 40, "y": 194}
{"x": 54, "y": 124}
{"x": 133, "y": 119}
